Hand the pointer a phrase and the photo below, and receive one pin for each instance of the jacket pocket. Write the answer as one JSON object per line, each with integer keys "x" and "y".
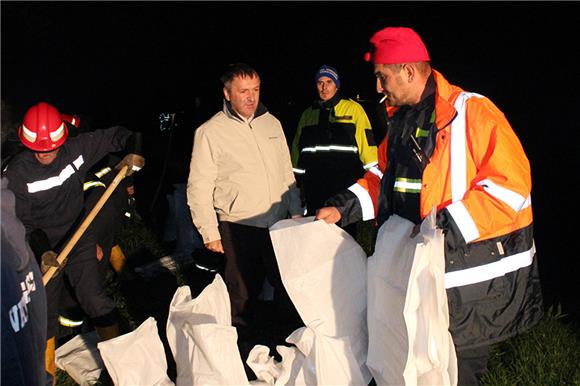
{"x": 477, "y": 256}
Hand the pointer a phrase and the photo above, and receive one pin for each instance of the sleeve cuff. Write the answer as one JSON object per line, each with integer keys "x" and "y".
{"x": 211, "y": 234}
{"x": 463, "y": 220}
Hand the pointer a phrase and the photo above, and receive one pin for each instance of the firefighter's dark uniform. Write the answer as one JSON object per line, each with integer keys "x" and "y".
{"x": 49, "y": 201}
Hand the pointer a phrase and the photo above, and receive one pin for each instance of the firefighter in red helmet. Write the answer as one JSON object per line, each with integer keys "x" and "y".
{"x": 48, "y": 181}
{"x": 43, "y": 129}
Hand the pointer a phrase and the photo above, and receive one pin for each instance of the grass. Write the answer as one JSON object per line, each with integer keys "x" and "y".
{"x": 547, "y": 355}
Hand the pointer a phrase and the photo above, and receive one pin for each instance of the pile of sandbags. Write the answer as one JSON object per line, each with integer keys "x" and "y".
{"x": 402, "y": 337}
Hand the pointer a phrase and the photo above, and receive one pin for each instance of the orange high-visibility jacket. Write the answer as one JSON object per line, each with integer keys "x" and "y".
{"x": 478, "y": 171}
{"x": 479, "y": 174}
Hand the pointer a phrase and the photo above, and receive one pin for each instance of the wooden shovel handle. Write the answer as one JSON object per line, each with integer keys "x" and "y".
{"x": 61, "y": 258}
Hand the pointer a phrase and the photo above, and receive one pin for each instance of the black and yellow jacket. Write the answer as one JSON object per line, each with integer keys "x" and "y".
{"x": 333, "y": 147}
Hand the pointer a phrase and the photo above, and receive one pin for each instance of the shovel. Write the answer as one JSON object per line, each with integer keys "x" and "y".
{"x": 61, "y": 258}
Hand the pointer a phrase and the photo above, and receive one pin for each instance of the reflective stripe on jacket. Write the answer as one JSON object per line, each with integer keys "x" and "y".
{"x": 487, "y": 186}
{"x": 332, "y": 149}
{"x": 350, "y": 128}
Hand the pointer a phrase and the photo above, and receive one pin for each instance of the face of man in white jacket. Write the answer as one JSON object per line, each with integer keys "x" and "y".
{"x": 244, "y": 94}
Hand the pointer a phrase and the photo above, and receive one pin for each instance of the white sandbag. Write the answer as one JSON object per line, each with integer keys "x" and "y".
{"x": 324, "y": 272}
{"x": 263, "y": 365}
{"x": 292, "y": 369}
{"x": 136, "y": 358}
{"x": 288, "y": 372}
{"x": 80, "y": 358}
{"x": 212, "y": 305}
{"x": 215, "y": 358}
{"x": 408, "y": 320}
{"x": 202, "y": 339}
{"x": 328, "y": 360}
{"x": 432, "y": 359}
{"x": 314, "y": 359}
{"x": 388, "y": 275}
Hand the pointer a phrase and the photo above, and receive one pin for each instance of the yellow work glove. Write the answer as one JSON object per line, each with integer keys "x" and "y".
{"x": 134, "y": 162}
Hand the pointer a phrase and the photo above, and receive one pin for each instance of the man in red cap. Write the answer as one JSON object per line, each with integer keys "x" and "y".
{"x": 454, "y": 150}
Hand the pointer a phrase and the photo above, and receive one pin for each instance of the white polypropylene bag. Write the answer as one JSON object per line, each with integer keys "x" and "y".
{"x": 324, "y": 272}
{"x": 136, "y": 358}
{"x": 263, "y": 365}
{"x": 432, "y": 359}
{"x": 388, "y": 275}
{"x": 202, "y": 339}
{"x": 408, "y": 321}
{"x": 215, "y": 358}
{"x": 328, "y": 360}
{"x": 290, "y": 371}
{"x": 80, "y": 358}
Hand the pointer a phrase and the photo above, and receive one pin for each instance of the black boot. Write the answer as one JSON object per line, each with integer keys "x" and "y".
{"x": 108, "y": 332}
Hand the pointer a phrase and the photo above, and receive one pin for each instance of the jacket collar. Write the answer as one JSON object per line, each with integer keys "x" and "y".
{"x": 319, "y": 103}
{"x": 445, "y": 96}
{"x": 230, "y": 113}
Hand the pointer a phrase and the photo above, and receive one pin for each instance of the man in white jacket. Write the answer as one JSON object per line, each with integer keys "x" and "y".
{"x": 240, "y": 183}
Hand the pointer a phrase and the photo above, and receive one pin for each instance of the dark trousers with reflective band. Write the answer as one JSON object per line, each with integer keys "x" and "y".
{"x": 85, "y": 276}
{"x": 471, "y": 365}
{"x": 103, "y": 230}
{"x": 250, "y": 258}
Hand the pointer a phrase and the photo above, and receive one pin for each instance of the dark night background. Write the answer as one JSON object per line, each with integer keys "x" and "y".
{"x": 124, "y": 62}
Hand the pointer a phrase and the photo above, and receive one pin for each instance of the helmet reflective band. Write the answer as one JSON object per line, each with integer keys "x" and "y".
{"x": 28, "y": 134}
{"x": 72, "y": 119}
{"x": 58, "y": 133}
{"x": 43, "y": 128}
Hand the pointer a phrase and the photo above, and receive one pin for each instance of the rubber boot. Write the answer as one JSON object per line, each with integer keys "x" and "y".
{"x": 108, "y": 332}
{"x": 49, "y": 360}
{"x": 117, "y": 259}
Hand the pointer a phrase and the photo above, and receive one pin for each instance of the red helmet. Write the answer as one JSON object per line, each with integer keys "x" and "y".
{"x": 43, "y": 128}
{"x": 72, "y": 119}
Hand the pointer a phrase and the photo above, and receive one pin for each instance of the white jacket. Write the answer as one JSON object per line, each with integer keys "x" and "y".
{"x": 242, "y": 172}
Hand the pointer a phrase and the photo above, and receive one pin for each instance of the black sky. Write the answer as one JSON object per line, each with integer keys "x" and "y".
{"x": 125, "y": 61}
{"x": 127, "y": 55}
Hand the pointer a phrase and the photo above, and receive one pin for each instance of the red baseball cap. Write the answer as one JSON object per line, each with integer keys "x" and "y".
{"x": 395, "y": 45}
